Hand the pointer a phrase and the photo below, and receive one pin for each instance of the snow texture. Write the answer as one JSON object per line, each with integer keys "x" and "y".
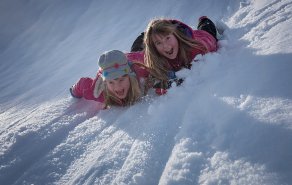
{"x": 230, "y": 122}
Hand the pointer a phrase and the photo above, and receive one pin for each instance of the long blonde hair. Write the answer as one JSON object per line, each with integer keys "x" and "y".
{"x": 158, "y": 64}
{"x": 133, "y": 95}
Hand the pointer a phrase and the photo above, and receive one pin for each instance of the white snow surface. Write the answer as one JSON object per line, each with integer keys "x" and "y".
{"x": 229, "y": 123}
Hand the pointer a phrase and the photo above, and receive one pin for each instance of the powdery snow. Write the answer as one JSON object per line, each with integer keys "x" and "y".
{"x": 230, "y": 122}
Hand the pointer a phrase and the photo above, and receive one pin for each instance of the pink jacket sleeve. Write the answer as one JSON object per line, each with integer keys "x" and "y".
{"x": 85, "y": 88}
{"x": 138, "y": 57}
{"x": 206, "y": 39}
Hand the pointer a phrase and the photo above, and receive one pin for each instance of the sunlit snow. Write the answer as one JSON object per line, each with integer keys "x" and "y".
{"x": 229, "y": 123}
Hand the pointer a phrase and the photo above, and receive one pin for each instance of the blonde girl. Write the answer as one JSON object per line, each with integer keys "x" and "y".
{"x": 120, "y": 81}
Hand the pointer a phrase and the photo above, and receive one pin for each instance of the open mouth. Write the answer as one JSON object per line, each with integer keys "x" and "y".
{"x": 120, "y": 93}
{"x": 170, "y": 52}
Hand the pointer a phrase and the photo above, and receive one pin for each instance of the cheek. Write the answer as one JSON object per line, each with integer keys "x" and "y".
{"x": 174, "y": 42}
{"x": 175, "y": 46}
{"x": 159, "y": 49}
{"x": 126, "y": 85}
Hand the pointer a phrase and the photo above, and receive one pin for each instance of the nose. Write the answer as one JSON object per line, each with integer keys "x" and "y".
{"x": 117, "y": 87}
{"x": 165, "y": 46}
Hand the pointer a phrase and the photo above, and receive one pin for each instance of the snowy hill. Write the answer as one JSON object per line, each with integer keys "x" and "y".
{"x": 229, "y": 123}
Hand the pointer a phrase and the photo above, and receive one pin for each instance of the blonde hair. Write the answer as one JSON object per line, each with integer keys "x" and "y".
{"x": 157, "y": 63}
{"x": 133, "y": 95}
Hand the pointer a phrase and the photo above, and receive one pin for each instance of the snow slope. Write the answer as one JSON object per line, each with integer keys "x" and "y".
{"x": 229, "y": 123}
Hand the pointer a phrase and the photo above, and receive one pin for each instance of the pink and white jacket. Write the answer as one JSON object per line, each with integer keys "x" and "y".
{"x": 89, "y": 88}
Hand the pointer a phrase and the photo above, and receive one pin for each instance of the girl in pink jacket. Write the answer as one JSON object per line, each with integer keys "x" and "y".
{"x": 120, "y": 80}
{"x": 171, "y": 45}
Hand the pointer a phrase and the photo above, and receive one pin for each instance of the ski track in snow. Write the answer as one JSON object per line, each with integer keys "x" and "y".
{"x": 263, "y": 23}
{"x": 234, "y": 127}
{"x": 41, "y": 133}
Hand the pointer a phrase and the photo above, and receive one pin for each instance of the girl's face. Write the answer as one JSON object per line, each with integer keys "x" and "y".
{"x": 166, "y": 45}
{"x": 119, "y": 86}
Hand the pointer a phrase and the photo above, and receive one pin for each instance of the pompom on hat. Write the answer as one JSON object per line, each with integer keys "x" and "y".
{"x": 114, "y": 64}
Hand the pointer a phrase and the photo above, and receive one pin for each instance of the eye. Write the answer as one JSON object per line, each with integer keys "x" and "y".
{"x": 168, "y": 37}
{"x": 157, "y": 43}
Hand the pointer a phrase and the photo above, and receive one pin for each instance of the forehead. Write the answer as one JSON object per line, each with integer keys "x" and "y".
{"x": 159, "y": 37}
{"x": 119, "y": 78}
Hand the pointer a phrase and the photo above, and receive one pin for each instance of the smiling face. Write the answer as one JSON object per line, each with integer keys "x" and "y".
{"x": 166, "y": 45}
{"x": 119, "y": 86}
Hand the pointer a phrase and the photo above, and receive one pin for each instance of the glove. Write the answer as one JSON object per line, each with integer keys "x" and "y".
{"x": 72, "y": 94}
